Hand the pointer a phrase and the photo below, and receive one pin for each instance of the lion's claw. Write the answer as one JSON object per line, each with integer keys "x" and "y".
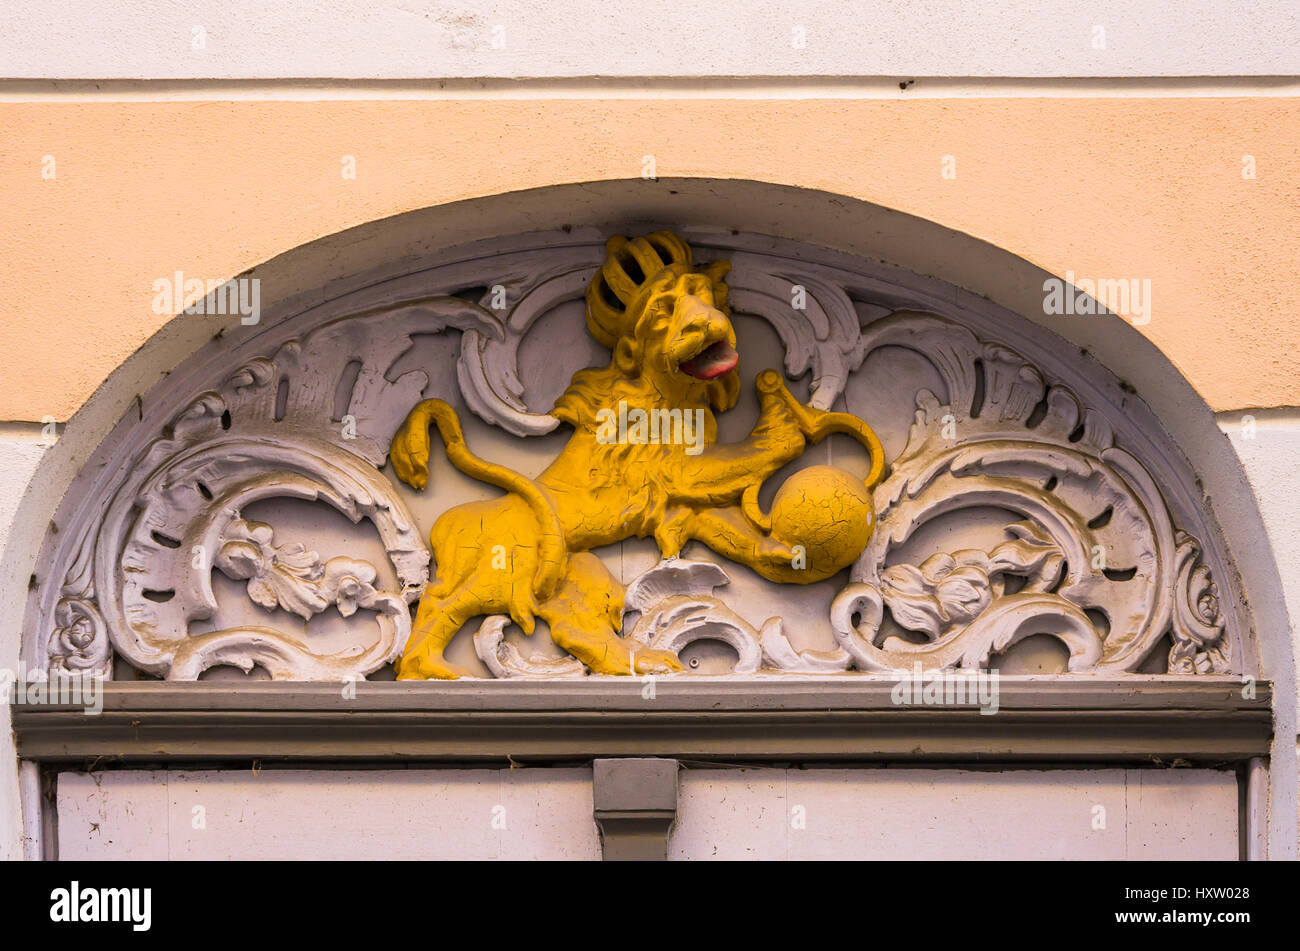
{"x": 651, "y": 661}
{"x": 430, "y": 666}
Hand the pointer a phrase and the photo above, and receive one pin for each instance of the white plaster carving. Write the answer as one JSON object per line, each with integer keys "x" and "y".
{"x": 264, "y": 432}
{"x": 488, "y": 367}
{"x": 504, "y": 660}
{"x": 1099, "y": 542}
{"x": 818, "y": 324}
{"x": 1004, "y": 438}
{"x": 80, "y": 640}
{"x": 673, "y": 606}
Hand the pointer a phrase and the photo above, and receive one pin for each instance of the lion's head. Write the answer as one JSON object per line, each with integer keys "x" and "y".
{"x": 667, "y": 325}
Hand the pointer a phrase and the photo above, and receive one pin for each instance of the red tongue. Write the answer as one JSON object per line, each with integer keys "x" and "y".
{"x": 713, "y": 362}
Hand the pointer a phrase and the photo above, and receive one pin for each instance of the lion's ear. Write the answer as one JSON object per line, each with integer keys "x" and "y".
{"x": 715, "y": 273}
{"x": 626, "y": 357}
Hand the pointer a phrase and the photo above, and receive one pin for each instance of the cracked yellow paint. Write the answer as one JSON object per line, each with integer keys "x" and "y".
{"x": 527, "y": 553}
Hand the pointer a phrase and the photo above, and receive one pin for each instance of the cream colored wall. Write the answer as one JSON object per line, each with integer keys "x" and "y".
{"x": 1104, "y": 188}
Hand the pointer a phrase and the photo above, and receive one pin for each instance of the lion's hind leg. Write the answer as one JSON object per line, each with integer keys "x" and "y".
{"x": 482, "y": 568}
{"x": 436, "y": 622}
{"x": 584, "y": 616}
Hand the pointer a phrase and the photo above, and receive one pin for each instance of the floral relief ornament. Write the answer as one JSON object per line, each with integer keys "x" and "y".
{"x": 291, "y": 577}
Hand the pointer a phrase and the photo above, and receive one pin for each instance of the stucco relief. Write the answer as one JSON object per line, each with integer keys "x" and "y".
{"x": 1021, "y": 502}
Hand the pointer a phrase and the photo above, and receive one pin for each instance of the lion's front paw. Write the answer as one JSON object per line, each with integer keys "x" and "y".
{"x": 617, "y": 660}
{"x": 651, "y": 661}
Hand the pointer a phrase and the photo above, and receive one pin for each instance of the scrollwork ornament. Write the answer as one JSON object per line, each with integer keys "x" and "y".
{"x": 79, "y": 642}
{"x": 1099, "y": 545}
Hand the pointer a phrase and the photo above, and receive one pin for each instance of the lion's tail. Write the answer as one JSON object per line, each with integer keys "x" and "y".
{"x": 413, "y": 440}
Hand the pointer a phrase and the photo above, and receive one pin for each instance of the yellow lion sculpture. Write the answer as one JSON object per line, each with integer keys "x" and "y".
{"x": 674, "y": 359}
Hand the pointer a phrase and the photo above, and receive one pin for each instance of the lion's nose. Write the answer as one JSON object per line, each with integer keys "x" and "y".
{"x": 699, "y": 315}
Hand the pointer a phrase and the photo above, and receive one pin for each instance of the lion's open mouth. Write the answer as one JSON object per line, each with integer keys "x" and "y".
{"x": 711, "y": 362}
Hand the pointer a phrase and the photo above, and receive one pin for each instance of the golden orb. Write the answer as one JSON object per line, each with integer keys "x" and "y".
{"x": 828, "y": 512}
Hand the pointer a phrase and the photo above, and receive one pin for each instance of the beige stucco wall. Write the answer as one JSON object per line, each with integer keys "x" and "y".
{"x": 1106, "y": 188}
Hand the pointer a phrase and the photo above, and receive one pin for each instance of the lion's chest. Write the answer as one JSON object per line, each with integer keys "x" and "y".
{"x": 620, "y": 498}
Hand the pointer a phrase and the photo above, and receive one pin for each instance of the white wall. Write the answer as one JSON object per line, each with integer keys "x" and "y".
{"x": 1268, "y": 443}
{"x": 877, "y": 813}
{"x": 21, "y": 448}
{"x": 402, "y": 39}
{"x": 397, "y": 814}
{"x": 954, "y": 814}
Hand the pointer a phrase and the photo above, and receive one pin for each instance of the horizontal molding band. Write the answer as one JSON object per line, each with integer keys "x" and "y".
{"x": 1038, "y": 720}
{"x": 779, "y": 692}
{"x": 909, "y": 86}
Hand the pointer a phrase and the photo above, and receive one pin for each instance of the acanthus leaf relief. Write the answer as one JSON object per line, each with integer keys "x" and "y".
{"x": 242, "y": 524}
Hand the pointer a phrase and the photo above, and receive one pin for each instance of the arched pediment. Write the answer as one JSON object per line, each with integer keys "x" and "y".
{"x": 1034, "y": 514}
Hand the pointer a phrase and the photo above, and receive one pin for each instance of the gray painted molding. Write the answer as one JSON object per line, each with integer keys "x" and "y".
{"x": 808, "y": 719}
{"x": 635, "y": 804}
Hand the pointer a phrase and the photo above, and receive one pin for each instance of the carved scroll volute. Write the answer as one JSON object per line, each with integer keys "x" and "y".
{"x": 1094, "y": 552}
{"x": 272, "y": 430}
